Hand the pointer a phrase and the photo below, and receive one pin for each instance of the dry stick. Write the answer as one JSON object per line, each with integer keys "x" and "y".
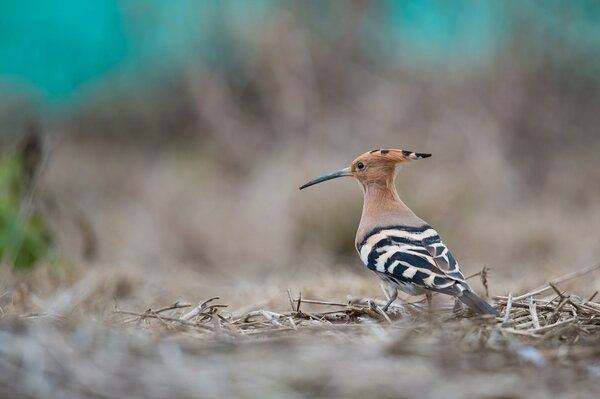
{"x": 330, "y": 312}
{"x": 362, "y": 310}
{"x": 540, "y": 302}
{"x": 534, "y": 316}
{"x": 380, "y": 312}
{"x": 318, "y": 302}
{"x": 551, "y": 326}
{"x": 557, "y": 310}
{"x": 593, "y": 296}
{"x": 484, "y": 281}
{"x": 323, "y": 317}
{"x": 507, "y": 310}
{"x": 176, "y": 305}
{"x": 524, "y": 326}
{"x": 576, "y": 306}
{"x": 153, "y": 316}
{"x": 521, "y": 332}
{"x": 551, "y": 300}
{"x": 526, "y": 306}
{"x": 474, "y": 275}
{"x": 199, "y": 309}
{"x": 561, "y": 294}
{"x": 159, "y": 318}
{"x": 587, "y": 307}
{"x": 240, "y": 313}
{"x": 517, "y": 320}
{"x": 217, "y": 325}
{"x": 306, "y": 315}
{"x": 269, "y": 316}
{"x": 289, "y": 292}
{"x": 559, "y": 280}
{"x": 594, "y": 305}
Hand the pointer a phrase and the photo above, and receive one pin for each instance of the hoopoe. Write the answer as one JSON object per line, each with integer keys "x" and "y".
{"x": 403, "y": 250}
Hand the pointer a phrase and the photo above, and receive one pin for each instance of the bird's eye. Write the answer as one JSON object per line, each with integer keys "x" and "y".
{"x": 360, "y": 165}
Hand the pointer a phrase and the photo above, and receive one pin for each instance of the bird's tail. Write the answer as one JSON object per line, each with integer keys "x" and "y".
{"x": 473, "y": 301}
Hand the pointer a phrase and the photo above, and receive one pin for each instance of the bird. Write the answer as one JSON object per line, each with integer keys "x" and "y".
{"x": 404, "y": 251}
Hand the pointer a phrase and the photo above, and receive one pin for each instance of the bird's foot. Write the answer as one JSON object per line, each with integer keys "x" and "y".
{"x": 388, "y": 303}
{"x": 458, "y": 311}
{"x": 380, "y": 310}
{"x": 458, "y": 306}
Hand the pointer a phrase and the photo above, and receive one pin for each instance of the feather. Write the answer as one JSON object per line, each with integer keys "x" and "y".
{"x": 473, "y": 301}
{"x": 415, "y": 260}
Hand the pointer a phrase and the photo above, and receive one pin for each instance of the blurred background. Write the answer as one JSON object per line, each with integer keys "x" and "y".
{"x": 163, "y": 142}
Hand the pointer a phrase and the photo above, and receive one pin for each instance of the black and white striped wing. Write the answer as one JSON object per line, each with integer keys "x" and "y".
{"x": 445, "y": 261}
{"x": 411, "y": 256}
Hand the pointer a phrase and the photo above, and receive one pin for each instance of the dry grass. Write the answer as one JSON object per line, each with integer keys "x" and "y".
{"x": 545, "y": 342}
{"x": 559, "y": 315}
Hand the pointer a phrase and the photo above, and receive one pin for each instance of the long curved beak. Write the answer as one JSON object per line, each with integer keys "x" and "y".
{"x": 334, "y": 175}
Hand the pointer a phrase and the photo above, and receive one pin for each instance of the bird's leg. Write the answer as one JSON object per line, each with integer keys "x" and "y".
{"x": 392, "y": 299}
{"x": 457, "y": 306}
{"x": 391, "y": 292}
{"x": 429, "y": 297}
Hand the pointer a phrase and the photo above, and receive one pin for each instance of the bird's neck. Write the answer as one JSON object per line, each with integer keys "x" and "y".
{"x": 383, "y": 207}
{"x": 381, "y": 198}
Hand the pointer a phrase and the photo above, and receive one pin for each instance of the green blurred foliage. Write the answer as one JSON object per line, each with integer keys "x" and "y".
{"x": 24, "y": 238}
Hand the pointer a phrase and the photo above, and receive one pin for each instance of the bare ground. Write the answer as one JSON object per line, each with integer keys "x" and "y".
{"x": 168, "y": 232}
{"x": 76, "y": 345}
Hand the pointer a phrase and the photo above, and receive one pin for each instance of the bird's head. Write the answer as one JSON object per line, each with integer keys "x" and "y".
{"x": 372, "y": 167}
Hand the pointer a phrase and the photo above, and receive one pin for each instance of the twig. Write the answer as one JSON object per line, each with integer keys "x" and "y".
{"x": 521, "y": 332}
{"x": 289, "y": 292}
{"x": 271, "y": 317}
{"x": 552, "y": 326}
{"x": 526, "y": 306}
{"x": 241, "y": 313}
{"x": 557, "y": 310}
{"x": 176, "y": 305}
{"x": 484, "y": 281}
{"x": 533, "y": 311}
{"x": 559, "y": 280}
{"x": 473, "y": 275}
{"x": 319, "y": 302}
{"x": 154, "y": 316}
{"x": 566, "y": 297}
{"x": 507, "y": 310}
{"x": 379, "y": 311}
{"x": 198, "y": 309}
